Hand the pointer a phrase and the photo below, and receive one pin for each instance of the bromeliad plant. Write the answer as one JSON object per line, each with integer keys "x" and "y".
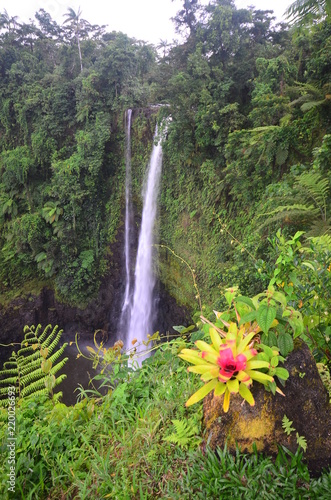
{"x": 236, "y": 357}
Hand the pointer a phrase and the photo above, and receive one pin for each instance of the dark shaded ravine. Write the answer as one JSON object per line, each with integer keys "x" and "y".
{"x": 102, "y": 313}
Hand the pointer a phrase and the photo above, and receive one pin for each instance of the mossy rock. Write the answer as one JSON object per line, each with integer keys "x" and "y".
{"x": 306, "y": 403}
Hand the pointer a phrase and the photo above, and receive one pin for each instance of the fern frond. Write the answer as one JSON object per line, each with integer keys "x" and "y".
{"x": 307, "y": 106}
{"x": 58, "y": 366}
{"x": 291, "y": 208}
{"x": 316, "y": 188}
{"x": 38, "y": 387}
{"x": 55, "y": 341}
{"x": 185, "y": 434}
{"x": 324, "y": 241}
{"x": 44, "y": 334}
{"x": 24, "y": 368}
{"x": 319, "y": 228}
{"x": 301, "y": 441}
{"x": 58, "y": 354}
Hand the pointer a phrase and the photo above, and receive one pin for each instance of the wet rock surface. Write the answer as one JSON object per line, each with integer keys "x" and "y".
{"x": 306, "y": 404}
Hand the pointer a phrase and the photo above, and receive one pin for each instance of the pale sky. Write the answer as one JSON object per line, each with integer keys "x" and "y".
{"x": 147, "y": 20}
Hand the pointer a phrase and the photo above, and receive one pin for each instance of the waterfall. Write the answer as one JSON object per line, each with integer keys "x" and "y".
{"x": 128, "y": 217}
{"x": 141, "y": 317}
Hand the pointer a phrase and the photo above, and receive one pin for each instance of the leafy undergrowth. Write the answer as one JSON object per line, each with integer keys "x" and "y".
{"x": 141, "y": 442}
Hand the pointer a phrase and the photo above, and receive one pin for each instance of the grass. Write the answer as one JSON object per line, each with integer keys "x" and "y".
{"x": 141, "y": 442}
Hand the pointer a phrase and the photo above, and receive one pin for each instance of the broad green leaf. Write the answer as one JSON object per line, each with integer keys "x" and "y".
{"x": 280, "y": 297}
{"x": 297, "y": 325}
{"x": 265, "y": 316}
{"x": 247, "y": 318}
{"x": 199, "y": 369}
{"x": 182, "y": 329}
{"x": 245, "y": 300}
{"x": 282, "y": 373}
{"x": 272, "y": 339}
{"x": 285, "y": 343}
{"x": 267, "y": 350}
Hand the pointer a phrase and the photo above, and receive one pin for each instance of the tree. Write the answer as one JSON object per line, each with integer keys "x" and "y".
{"x": 306, "y": 11}
{"x": 74, "y": 19}
{"x": 7, "y": 21}
{"x": 187, "y": 16}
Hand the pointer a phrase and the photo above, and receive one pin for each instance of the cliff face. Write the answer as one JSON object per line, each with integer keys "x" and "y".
{"x": 101, "y": 313}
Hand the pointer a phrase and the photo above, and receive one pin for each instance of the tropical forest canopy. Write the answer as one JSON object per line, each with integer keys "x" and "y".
{"x": 248, "y": 140}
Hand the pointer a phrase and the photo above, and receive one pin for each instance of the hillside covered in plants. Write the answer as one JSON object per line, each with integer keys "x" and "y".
{"x": 244, "y": 207}
{"x": 250, "y": 108}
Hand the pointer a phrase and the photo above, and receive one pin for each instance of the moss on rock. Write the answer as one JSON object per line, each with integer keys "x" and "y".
{"x": 306, "y": 403}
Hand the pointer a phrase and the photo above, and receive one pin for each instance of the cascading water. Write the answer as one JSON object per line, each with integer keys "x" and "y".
{"x": 125, "y": 314}
{"x": 141, "y": 311}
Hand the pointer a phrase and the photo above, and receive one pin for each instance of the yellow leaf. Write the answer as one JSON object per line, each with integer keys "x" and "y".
{"x": 246, "y": 394}
{"x": 44, "y": 352}
{"x": 259, "y": 376}
{"x": 199, "y": 368}
{"x": 203, "y": 346}
{"x": 254, "y": 364}
{"x": 90, "y": 349}
{"x": 215, "y": 338}
{"x": 226, "y": 402}
{"x": 201, "y": 393}
{"x": 233, "y": 386}
{"x": 280, "y": 392}
{"x": 46, "y": 365}
{"x": 219, "y": 389}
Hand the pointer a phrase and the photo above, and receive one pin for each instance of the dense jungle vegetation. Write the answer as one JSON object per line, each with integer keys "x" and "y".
{"x": 244, "y": 203}
{"x": 250, "y": 108}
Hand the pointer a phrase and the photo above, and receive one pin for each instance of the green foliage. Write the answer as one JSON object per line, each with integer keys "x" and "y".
{"x": 306, "y": 11}
{"x": 33, "y": 368}
{"x": 186, "y": 433}
{"x": 308, "y": 203}
{"x": 115, "y": 445}
{"x": 303, "y": 272}
{"x": 238, "y": 356}
{"x": 301, "y": 440}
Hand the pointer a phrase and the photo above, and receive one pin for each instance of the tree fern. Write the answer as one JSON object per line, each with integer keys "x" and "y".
{"x": 308, "y": 204}
{"x": 306, "y": 11}
{"x": 32, "y": 370}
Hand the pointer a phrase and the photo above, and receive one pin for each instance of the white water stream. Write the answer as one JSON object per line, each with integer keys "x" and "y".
{"x": 141, "y": 313}
{"x": 128, "y": 216}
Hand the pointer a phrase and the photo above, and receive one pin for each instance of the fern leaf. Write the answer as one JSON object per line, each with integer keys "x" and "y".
{"x": 25, "y": 366}
{"x": 301, "y": 441}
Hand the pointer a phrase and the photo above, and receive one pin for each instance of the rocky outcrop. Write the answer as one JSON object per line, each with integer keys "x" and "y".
{"x": 306, "y": 404}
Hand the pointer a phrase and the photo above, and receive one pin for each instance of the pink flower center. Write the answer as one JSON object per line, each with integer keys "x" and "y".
{"x": 230, "y": 365}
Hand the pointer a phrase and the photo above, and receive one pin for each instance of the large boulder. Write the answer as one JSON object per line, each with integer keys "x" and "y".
{"x": 306, "y": 403}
